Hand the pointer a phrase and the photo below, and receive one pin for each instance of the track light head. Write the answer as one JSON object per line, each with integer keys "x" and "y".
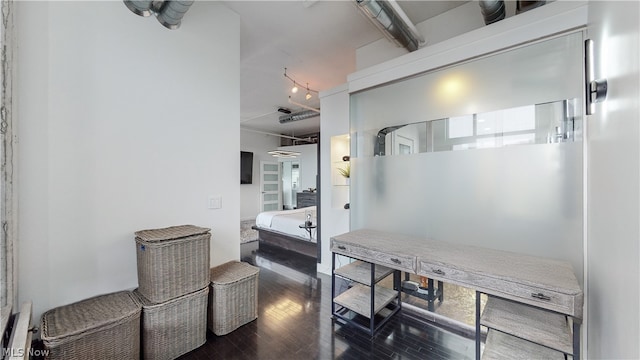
{"x": 308, "y": 95}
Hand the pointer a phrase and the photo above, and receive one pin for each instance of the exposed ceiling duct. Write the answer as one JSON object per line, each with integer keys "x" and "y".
{"x": 492, "y": 10}
{"x": 389, "y": 18}
{"x": 172, "y": 12}
{"x": 169, "y": 13}
{"x": 301, "y": 115}
{"x": 524, "y": 5}
{"x": 139, "y": 7}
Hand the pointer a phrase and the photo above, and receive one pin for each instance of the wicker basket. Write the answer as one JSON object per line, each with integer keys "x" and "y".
{"x": 175, "y": 327}
{"x": 102, "y": 327}
{"x": 233, "y": 299}
{"x": 172, "y": 262}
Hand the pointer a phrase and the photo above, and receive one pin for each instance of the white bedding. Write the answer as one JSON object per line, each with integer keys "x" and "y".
{"x": 288, "y": 221}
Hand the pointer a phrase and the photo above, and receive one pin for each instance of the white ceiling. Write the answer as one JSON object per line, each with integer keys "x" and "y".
{"x": 315, "y": 40}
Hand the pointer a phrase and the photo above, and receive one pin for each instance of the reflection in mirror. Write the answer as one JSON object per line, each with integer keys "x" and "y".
{"x": 532, "y": 124}
{"x": 290, "y": 183}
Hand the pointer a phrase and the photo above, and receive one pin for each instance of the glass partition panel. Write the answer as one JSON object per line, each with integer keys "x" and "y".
{"x": 525, "y": 199}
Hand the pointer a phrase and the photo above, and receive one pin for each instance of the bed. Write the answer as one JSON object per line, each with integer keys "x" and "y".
{"x": 283, "y": 229}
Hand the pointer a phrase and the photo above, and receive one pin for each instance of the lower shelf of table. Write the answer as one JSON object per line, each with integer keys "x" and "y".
{"x": 536, "y": 325}
{"x": 358, "y": 299}
{"x": 502, "y": 346}
{"x": 351, "y": 318}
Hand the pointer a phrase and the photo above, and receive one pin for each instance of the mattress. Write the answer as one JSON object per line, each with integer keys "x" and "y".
{"x": 288, "y": 221}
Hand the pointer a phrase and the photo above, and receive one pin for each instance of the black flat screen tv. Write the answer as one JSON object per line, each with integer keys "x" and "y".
{"x": 246, "y": 167}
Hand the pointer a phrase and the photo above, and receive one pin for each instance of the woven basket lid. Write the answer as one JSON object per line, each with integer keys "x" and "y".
{"x": 171, "y": 233}
{"x": 148, "y": 304}
{"x": 88, "y": 314}
{"x": 231, "y": 272}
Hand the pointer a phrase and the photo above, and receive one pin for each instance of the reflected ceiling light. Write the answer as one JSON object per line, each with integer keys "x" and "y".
{"x": 453, "y": 88}
{"x": 294, "y": 89}
{"x": 283, "y": 153}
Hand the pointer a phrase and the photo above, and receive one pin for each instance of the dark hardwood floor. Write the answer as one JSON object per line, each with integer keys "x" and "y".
{"x": 294, "y": 322}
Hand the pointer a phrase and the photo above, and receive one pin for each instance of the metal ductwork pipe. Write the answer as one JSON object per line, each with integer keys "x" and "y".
{"x": 522, "y": 5}
{"x": 298, "y": 116}
{"x": 492, "y": 10}
{"x": 139, "y": 7}
{"x": 171, "y": 13}
{"x": 389, "y": 18}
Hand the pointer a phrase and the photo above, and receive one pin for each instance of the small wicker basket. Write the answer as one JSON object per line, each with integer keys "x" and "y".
{"x": 101, "y": 327}
{"x": 175, "y": 327}
{"x": 172, "y": 262}
{"x": 233, "y": 299}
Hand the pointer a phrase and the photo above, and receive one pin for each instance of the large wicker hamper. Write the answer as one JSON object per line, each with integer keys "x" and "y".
{"x": 175, "y": 327}
{"x": 233, "y": 299}
{"x": 101, "y": 327}
{"x": 172, "y": 261}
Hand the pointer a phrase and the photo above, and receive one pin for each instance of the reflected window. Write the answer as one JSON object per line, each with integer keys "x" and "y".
{"x": 532, "y": 124}
{"x": 460, "y": 126}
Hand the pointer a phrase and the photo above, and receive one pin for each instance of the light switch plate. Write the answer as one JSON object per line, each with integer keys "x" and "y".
{"x": 215, "y": 202}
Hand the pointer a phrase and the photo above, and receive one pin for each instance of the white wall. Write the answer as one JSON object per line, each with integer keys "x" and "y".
{"x": 124, "y": 125}
{"x": 334, "y": 121}
{"x": 258, "y": 144}
{"x": 613, "y": 189}
{"x": 308, "y": 164}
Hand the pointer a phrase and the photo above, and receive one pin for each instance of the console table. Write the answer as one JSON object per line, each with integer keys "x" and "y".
{"x": 534, "y": 304}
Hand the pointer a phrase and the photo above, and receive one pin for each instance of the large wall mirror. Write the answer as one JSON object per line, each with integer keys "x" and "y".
{"x": 298, "y": 176}
{"x": 290, "y": 183}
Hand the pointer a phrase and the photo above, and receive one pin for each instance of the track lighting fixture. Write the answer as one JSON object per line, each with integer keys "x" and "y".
{"x": 294, "y": 89}
{"x": 308, "y": 96}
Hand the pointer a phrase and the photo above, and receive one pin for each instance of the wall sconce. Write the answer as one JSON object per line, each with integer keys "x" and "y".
{"x": 596, "y": 90}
